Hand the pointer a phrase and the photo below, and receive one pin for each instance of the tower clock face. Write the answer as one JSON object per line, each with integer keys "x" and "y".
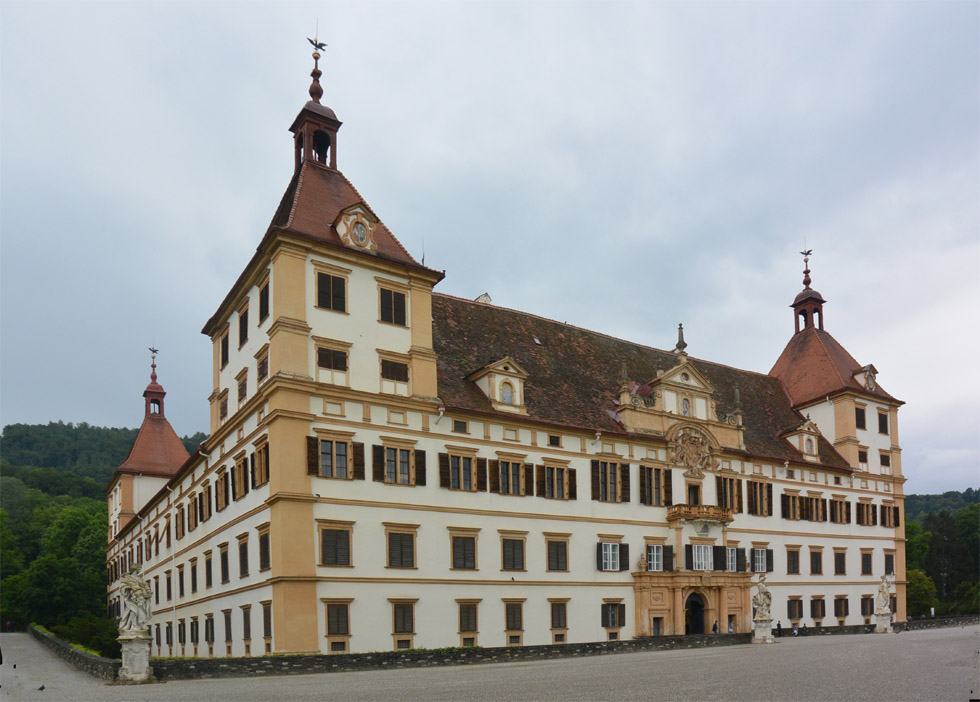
{"x": 359, "y": 232}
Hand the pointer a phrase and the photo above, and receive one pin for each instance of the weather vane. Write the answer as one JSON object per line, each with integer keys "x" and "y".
{"x": 318, "y": 45}
{"x": 806, "y": 266}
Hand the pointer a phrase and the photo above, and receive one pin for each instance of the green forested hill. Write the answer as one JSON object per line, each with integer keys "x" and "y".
{"x": 918, "y": 506}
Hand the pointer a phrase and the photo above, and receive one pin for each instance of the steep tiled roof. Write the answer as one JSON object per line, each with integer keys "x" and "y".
{"x": 156, "y": 451}
{"x": 814, "y": 365}
{"x": 574, "y": 374}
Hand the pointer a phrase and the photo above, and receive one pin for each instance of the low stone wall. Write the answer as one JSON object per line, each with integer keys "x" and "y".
{"x": 105, "y": 668}
{"x": 179, "y": 669}
{"x": 937, "y": 622}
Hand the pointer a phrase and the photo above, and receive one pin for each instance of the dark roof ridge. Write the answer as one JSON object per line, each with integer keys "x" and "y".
{"x": 292, "y": 207}
{"x": 598, "y": 333}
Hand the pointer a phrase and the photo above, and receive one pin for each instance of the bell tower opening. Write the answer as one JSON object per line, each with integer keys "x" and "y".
{"x": 808, "y": 305}
{"x": 315, "y": 127}
{"x": 321, "y": 146}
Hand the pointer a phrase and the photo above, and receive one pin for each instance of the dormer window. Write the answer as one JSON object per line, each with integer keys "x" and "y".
{"x": 503, "y": 383}
{"x": 809, "y": 446}
{"x": 507, "y": 393}
{"x": 686, "y": 407}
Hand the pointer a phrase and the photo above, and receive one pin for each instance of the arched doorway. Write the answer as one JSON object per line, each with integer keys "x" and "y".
{"x": 694, "y": 614}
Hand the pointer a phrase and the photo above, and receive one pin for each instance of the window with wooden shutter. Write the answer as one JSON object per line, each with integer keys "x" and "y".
{"x": 393, "y": 307}
{"x": 464, "y": 552}
{"x": 624, "y": 482}
{"x": 404, "y": 616}
{"x": 243, "y": 558}
{"x": 572, "y": 484}
{"x": 338, "y": 619}
{"x": 557, "y": 555}
{"x": 419, "y": 467}
{"x": 467, "y": 617}
{"x": 792, "y": 561}
{"x": 840, "y": 563}
{"x": 866, "y": 559}
{"x": 510, "y": 478}
{"x": 608, "y": 556}
{"x": 719, "y": 556}
{"x": 378, "y": 463}
{"x": 335, "y": 546}
{"x": 816, "y": 562}
{"x": 740, "y": 564}
{"x": 264, "y": 554}
{"x": 513, "y": 554}
{"x": 401, "y": 549}
{"x": 889, "y": 564}
{"x": 559, "y": 615}
{"x": 514, "y": 616}
{"x": 331, "y": 292}
{"x": 551, "y": 482}
{"x": 818, "y": 608}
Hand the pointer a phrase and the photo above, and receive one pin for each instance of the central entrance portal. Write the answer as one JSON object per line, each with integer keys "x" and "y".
{"x": 694, "y": 615}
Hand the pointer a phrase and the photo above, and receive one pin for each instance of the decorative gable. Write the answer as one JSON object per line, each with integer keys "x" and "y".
{"x": 683, "y": 391}
{"x": 503, "y": 384}
{"x": 355, "y": 226}
{"x": 867, "y": 377}
{"x": 805, "y": 439}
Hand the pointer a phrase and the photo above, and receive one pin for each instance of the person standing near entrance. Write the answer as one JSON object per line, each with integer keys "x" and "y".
{"x": 714, "y": 627}
{"x": 779, "y": 628}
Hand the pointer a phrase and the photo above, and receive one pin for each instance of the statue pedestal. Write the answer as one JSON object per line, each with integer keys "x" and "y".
{"x": 883, "y": 622}
{"x": 135, "y": 656}
{"x": 762, "y": 631}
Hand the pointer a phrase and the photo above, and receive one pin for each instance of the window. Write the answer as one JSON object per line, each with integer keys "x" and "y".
{"x": 702, "y": 557}
{"x": 264, "y": 563}
{"x": 882, "y": 422}
{"x": 224, "y": 349}
{"x": 507, "y": 393}
{"x": 170, "y": 634}
{"x": 554, "y": 483}
{"x": 762, "y": 560}
{"x": 331, "y": 365}
{"x": 195, "y": 631}
{"x": 403, "y": 623}
{"x": 331, "y": 292}
{"x": 240, "y": 477}
{"x": 338, "y": 621}
{"x": 262, "y": 367}
{"x": 840, "y": 511}
{"x": 243, "y": 557}
{"x": 818, "y": 608}
{"x": 731, "y": 560}
{"x": 605, "y": 481}
{"x": 890, "y": 565}
{"x": 393, "y": 307}
{"x": 760, "y": 499}
{"x": 816, "y": 562}
{"x": 729, "y": 493}
{"x": 223, "y": 405}
{"x": 394, "y": 371}
{"x": 401, "y": 547}
{"x": 513, "y": 553}
{"x": 267, "y": 625}
{"x": 398, "y": 466}
{"x": 863, "y": 459}
{"x": 866, "y": 557}
{"x": 208, "y": 579}
{"x": 247, "y": 622}
{"x": 242, "y": 325}
{"x": 156, "y": 589}
{"x": 461, "y": 426}
{"x": 613, "y": 615}
{"x": 793, "y": 561}
{"x": 514, "y": 621}
{"x": 223, "y": 560}
{"x": 867, "y": 514}
{"x": 335, "y": 544}
{"x": 263, "y": 301}
{"x": 461, "y": 473}
{"x": 885, "y": 460}
{"x": 840, "y": 562}
{"x": 260, "y": 465}
{"x": 790, "y": 506}
{"x": 242, "y": 385}
{"x": 511, "y": 478}
{"x": 464, "y": 552}
{"x": 170, "y": 594}
{"x": 840, "y": 607}
{"x": 794, "y": 608}
{"x": 468, "y": 622}
{"x": 193, "y": 575}
{"x": 655, "y": 486}
{"x": 557, "y": 554}
{"x": 867, "y": 606}
{"x": 612, "y": 556}
{"x": 559, "y": 616}
{"x": 227, "y": 618}
{"x": 334, "y": 459}
{"x": 859, "y": 419}
{"x": 808, "y": 446}
{"x": 181, "y": 631}
{"x": 554, "y": 440}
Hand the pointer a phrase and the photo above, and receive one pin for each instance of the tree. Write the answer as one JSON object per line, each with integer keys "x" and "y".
{"x": 920, "y": 594}
{"x": 916, "y": 546}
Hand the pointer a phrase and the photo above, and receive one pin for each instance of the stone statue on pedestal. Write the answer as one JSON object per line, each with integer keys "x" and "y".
{"x": 134, "y": 635}
{"x": 883, "y": 608}
{"x": 762, "y": 620}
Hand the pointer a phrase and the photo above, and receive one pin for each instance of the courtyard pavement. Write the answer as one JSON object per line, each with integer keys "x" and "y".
{"x": 936, "y": 664}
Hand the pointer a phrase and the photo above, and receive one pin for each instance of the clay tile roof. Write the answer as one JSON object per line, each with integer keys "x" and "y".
{"x": 814, "y": 365}
{"x": 574, "y": 375}
{"x": 157, "y": 449}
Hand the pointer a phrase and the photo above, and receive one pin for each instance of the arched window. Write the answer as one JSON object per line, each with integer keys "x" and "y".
{"x": 809, "y": 445}
{"x": 686, "y": 407}
{"x": 507, "y": 393}
{"x": 154, "y": 406}
{"x": 321, "y": 144}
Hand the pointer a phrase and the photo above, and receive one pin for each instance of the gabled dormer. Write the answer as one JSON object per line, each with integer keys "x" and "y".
{"x": 683, "y": 391}
{"x": 355, "y": 226}
{"x": 805, "y": 439}
{"x": 867, "y": 377}
{"x": 503, "y": 384}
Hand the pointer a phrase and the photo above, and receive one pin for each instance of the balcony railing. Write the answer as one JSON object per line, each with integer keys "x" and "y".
{"x": 706, "y": 513}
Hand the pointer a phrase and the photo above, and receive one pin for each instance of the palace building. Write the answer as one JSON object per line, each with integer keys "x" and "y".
{"x": 389, "y": 467}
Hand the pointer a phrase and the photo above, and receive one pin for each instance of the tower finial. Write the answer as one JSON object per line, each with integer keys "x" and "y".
{"x": 153, "y": 364}
{"x": 806, "y": 267}
{"x": 316, "y": 91}
{"x": 681, "y": 344}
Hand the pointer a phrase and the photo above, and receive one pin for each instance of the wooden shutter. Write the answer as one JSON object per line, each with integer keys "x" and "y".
{"x": 358, "y": 461}
{"x": 234, "y": 492}
{"x": 481, "y": 474}
{"x": 784, "y": 500}
{"x": 539, "y": 488}
{"x": 494, "y": 476}
{"x": 387, "y": 313}
{"x": 643, "y": 486}
{"x": 624, "y": 482}
{"x": 740, "y": 559}
{"x": 459, "y": 555}
{"x": 604, "y": 616}
{"x": 598, "y": 556}
{"x": 624, "y": 557}
{"x": 621, "y": 610}
{"x": 419, "y": 467}
{"x": 251, "y": 470}
{"x": 874, "y": 515}
{"x": 722, "y": 498}
{"x": 896, "y": 517}
{"x": 847, "y": 511}
{"x": 769, "y": 560}
{"x": 572, "y": 485}
{"x": 339, "y": 294}
{"x": 668, "y": 487}
{"x": 668, "y": 558}
{"x": 719, "y": 555}
{"x": 444, "y": 470}
{"x": 529, "y": 479}
{"x": 738, "y": 495}
{"x": 399, "y": 303}
{"x": 803, "y": 509}
{"x": 328, "y": 546}
{"x": 595, "y": 480}
{"x": 752, "y": 491}
{"x": 688, "y": 556}
{"x": 378, "y": 464}
{"x": 768, "y": 506}
{"x": 312, "y": 455}
{"x": 394, "y": 550}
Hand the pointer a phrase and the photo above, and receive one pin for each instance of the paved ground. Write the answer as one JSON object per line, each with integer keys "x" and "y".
{"x": 938, "y": 664}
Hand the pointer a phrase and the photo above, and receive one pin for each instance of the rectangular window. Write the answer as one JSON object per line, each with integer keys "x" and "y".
{"x": 554, "y": 487}
{"x": 610, "y": 556}
{"x": 613, "y": 615}
{"x": 392, "y": 307}
{"x": 333, "y": 459}
{"x": 331, "y": 359}
{"x": 655, "y": 557}
{"x": 461, "y": 475}
{"x": 890, "y": 564}
{"x": 263, "y": 302}
{"x": 818, "y": 608}
{"x": 867, "y": 606}
{"x": 398, "y": 466}
{"x": 731, "y": 560}
{"x": 331, "y": 292}
{"x": 193, "y": 576}
{"x": 262, "y": 367}
{"x": 793, "y": 561}
{"x": 170, "y": 634}
{"x": 393, "y": 370}
{"x": 559, "y": 615}
{"x": 460, "y": 426}
{"x": 729, "y": 493}
{"x": 401, "y": 550}
{"x": 242, "y": 326}
{"x": 554, "y": 440}
{"x": 867, "y": 514}
{"x": 338, "y": 619}
{"x": 227, "y": 618}
{"x": 882, "y": 423}
{"x": 557, "y": 555}
{"x": 170, "y": 594}
{"x": 208, "y": 579}
{"x": 608, "y": 474}
{"x": 859, "y": 418}
{"x": 760, "y": 560}
{"x": 180, "y": 580}
{"x": 863, "y": 459}
{"x": 247, "y": 623}
{"x": 840, "y": 511}
{"x": 794, "y": 609}
{"x": 840, "y": 607}
{"x": 866, "y": 557}
{"x": 513, "y": 554}
{"x": 195, "y": 631}
{"x": 511, "y": 478}
{"x": 223, "y": 405}
{"x": 514, "y": 616}
{"x": 264, "y": 551}
{"x": 703, "y": 557}
{"x": 467, "y": 617}
{"x": 335, "y": 547}
{"x": 816, "y": 562}
{"x": 224, "y": 350}
{"x": 267, "y": 619}
{"x": 759, "y": 498}
{"x": 404, "y": 614}
{"x": 840, "y": 563}
{"x": 223, "y": 558}
{"x": 243, "y": 558}
{"x": 886, "y": 460}
{"x": 464, "y": 552}
{"x": 243, "y": 386}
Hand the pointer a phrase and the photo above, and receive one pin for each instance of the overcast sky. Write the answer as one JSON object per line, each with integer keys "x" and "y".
{"x": 619, "y": 166}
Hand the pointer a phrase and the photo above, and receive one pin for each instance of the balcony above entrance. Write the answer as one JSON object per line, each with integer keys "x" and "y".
{"x": 700, "y": 513}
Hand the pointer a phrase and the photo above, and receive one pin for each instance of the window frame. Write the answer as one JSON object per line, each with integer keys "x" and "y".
{"x": 335, "y": 439}
{"x": 398, "y": 293}
{"x": 401, "y": 530}
{"x": 407, "y": 638}
{"x": 394, "y": 385}
{"x": 463, "y": 534}
{"x": 332, "y": 349}
{"x": 516, "y": 540}
{"x": 325, "y": 272}
{"x": 559, "y": 539}
{"x": 513, "y": 614}
{"x": 334, "y": 637}
{"x": 243, "y": 324}
{"x": 334, "y": 525}
{"x": 473, "y": 633}
{"x": 840, "y": 561}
